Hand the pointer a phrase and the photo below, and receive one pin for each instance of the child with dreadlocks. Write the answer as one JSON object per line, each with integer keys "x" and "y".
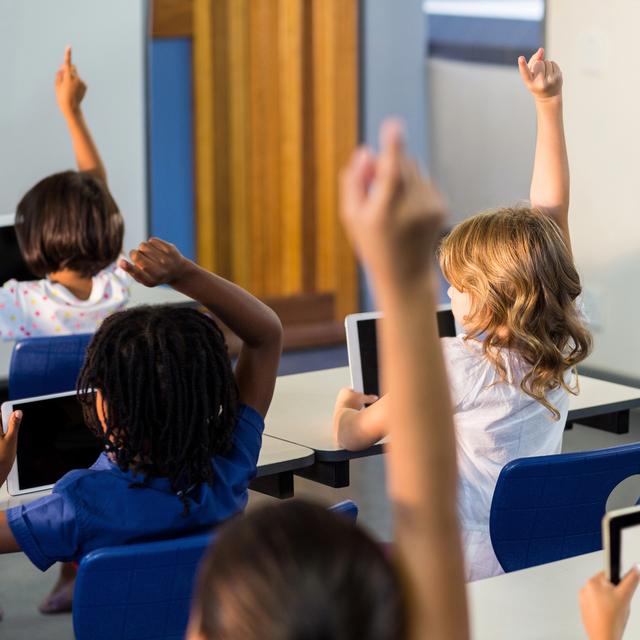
{"x": 182, "y": 430}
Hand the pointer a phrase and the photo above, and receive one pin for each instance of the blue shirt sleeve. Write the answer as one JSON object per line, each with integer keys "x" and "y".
{"x": 46, "y": 529}
{"x": 233, "y": 471}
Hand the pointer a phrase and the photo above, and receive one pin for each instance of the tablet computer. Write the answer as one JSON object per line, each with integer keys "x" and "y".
{"x": 621, "y": 542}
{"x": 53, "y": 440}
{"x": 362, "y": 346}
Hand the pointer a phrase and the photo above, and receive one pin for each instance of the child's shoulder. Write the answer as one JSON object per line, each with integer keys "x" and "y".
{"x": 462, "y": 350}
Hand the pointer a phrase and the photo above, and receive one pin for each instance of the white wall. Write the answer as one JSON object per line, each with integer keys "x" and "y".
{"x": 596, "y": 44}
{"x": 393, "y": 50}
{"x": 108, "y": 39}
{"x": 481, "y": 133}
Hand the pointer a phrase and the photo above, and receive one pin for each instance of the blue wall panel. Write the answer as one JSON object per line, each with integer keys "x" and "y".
{"x": 171, "y": 143}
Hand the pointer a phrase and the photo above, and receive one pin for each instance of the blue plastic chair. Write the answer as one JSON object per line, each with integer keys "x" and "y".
{"x": 40, "y": 366}
{"x": 143, "y": 590}
{"x": 348, "y": 508}
{"x": 550, "y": 507}
{"x": 137, "y": 591}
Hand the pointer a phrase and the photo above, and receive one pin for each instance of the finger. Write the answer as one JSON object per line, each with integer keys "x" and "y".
{"x": 160, "y": 244}
{"x": 148, "y": 252}
{"x": 538, "y": 55}
{"x": 355, "y": 180}
{"x": 59, "y": 76}
{"x": 388, "y": 171}
{"x": 135, "y": 272}
{"x": 628, "y": 585}
{"x": 67, "y": 56}
{"x": 14, "y": 424}
{"x": 525, "y": 71}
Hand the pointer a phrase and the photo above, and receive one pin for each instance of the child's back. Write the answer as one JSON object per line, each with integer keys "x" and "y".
{"x": 182, "y": 431}
{"x": 70, "y": 233}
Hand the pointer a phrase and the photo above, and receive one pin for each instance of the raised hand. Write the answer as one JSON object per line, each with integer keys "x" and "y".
{"x": 542, "y": 77}
{"x": 605, "y": 607}
{"x": 9, "y": 444}
{"x": 70, "y": 89}
{"x": 392, "y": 214}
{"x": 155, "y": 262}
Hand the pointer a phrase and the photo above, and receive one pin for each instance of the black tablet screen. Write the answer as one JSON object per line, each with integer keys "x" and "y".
{"x": 11, "y": 263}
{"x": 368, "y": 341}
{"x": 52, "y": 441}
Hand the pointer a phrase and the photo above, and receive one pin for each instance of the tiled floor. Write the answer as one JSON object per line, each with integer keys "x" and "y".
{"x": 22, "y": 586}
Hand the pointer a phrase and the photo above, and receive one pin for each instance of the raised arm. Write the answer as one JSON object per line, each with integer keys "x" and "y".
{"x": 70, "y": 90}
{"x": 550, "y": 180}
{"x": 158, "y": 262}
{"x": 394, "y": 227}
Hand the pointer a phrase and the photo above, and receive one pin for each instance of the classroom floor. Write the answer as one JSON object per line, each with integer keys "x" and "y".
{"x": 22, "y": 586}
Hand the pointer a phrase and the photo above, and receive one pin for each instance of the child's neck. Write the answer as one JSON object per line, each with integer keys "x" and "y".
{"x": 80, "y": 286}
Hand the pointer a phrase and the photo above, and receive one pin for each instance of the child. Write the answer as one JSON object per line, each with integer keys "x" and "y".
{"x": 294, "y": 570}
{"x": 181, "y": 430}
{"x": 513, "y": 290}
{"x": 70, "y": 234}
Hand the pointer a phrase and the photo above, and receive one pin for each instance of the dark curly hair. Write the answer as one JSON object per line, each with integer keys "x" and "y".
{"x": 168, "y": 391}
{"x": 295, "y": 571}
{"x": 69, "y": 220}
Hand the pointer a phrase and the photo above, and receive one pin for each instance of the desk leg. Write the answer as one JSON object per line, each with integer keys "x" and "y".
{"x": 617, "y": 422}
{"x": 333, "y": 474}
{"x": 279, "y": 485}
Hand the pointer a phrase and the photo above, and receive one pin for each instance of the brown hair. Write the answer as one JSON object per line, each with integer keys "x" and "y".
{"x": 294, "y": 571}
{"x": 520, "y": 275}
{"x": 70, "y": 221}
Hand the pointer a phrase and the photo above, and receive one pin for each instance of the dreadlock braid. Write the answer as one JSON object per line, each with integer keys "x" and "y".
{"x": 168, "y": 389}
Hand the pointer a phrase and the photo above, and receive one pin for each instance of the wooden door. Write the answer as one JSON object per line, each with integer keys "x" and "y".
{"x": 275, "y": 117}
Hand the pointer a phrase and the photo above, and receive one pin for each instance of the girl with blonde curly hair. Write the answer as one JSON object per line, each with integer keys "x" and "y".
{"x": 513, "y": 291}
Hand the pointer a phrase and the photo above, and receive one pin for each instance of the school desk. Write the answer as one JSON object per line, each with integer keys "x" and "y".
{"x": 139, "y": 295}
{"x": 302, "y": 408}
{"x": 540, "y": 603}
{"x": 277, "y": 463}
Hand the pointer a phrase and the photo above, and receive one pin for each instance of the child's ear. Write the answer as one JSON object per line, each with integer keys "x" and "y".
{"x": 101, "y": 410}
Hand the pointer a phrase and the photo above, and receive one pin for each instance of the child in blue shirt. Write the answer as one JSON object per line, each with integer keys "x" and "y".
{"x": 182, "y": 430}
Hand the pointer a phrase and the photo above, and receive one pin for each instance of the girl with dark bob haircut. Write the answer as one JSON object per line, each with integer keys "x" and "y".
{"x": 70, "y": 232}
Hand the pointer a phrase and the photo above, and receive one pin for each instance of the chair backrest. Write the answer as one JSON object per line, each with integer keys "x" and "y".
{"x": 137, "y": 591}
{"x": 143, "y": 590}
{"x": 40, "y": 366}
{"x": 550, "y": 507}
{"x": 348, "y": 508}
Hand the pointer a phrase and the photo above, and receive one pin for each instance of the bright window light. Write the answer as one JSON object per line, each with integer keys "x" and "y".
{"x": 532, "y": 10}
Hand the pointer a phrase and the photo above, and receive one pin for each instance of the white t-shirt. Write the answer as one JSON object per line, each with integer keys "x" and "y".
{"x": 45, "y": 308}
{"x": 495, "y": 423}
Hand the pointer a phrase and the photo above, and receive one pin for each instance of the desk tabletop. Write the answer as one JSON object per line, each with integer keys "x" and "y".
{"x": 539, "y": 603}
{"x": 139, "y": 295}
{"x": 276, "y": 456}
{"x": 302, "y": 408}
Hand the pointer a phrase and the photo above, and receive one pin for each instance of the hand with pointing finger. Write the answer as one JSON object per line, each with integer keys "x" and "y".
{"x": 542, "y": 77}
{"x": 70, "y": 89}
{"x": 9, "y": 444}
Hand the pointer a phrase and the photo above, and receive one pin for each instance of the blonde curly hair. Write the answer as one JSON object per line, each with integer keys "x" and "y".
{"x": 519, "y": 272}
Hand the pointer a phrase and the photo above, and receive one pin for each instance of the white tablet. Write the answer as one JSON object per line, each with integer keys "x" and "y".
{"x": 621, "y": 542}
{"x": 53, "y": 440}
{"x": 362, "y": 346}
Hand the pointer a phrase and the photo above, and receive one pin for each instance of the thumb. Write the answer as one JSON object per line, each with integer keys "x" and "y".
{"x": 628, "y": 585}
{"x": 14, "y": 423}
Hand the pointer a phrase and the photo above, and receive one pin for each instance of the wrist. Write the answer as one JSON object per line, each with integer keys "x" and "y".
{"x": 545, "y": 102}
{"x": 71, "y": 112}
{"x": 185, "y": 270}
